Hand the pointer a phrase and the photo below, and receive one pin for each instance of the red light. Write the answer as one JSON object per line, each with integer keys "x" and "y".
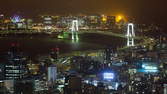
{"x": 55, "y": 49}
{"x": 15, "y": 44}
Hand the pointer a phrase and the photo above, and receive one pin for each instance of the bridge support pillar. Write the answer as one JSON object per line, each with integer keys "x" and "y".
{"x": 74, "y": 30}
{"x": 130, "y": 35}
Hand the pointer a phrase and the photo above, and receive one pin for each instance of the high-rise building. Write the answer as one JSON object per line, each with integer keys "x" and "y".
{"x": 2, "y": 67}
{"x": 1, "y": 21}
{"x": 40, "y": 85}
{"x": 52, "y": 73}
{"x": 14, "y": 65}
{"x": 15, "y": 68}
{"x": 29, "y": 23}
{"x": 111, "y": 21}
{"x": 109, "y": 53}
{"x": 93, "y": 21}
{"x": 48, "y": 22}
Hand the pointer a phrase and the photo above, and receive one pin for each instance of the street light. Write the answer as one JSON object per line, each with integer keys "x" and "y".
{"x": 119, "y": 18}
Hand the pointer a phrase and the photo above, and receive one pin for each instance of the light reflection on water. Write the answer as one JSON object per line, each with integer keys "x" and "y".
{"x": 42, "y": 45}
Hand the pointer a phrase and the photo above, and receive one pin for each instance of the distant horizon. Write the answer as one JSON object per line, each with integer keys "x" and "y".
{"x": 138, "y": 19}
{"x": 144, "y": 11}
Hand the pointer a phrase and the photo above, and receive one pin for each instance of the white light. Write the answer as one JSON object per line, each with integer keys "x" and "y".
{"x": 75, "y": 26}
{"x": 74, "y": 29}
{"x": 151, "y": 70}
{"x": 86, "y": 81}
{"x": 95, "y": 83}
{"x": 147, "y": 67}
{"x": 110, "y": 87}
{"x": 48, "y": 27}
{"x": 60, "y": 86}
{"x": 130, "y": 34}
{"x": 116, "y": 85}
{"x": 108, "y": 76}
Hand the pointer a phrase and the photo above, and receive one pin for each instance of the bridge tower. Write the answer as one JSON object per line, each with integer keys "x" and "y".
{"x": 74, "y": 30}
{"x": 130, "y": 35}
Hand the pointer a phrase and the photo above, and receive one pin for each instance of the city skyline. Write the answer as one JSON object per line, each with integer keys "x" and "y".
{"x": 83, "y": 47}
{"x": 141, "y": 10}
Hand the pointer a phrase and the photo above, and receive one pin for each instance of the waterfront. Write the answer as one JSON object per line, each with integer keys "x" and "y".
{"x": 95, "y": 57}
{"x": 42, "y": 44}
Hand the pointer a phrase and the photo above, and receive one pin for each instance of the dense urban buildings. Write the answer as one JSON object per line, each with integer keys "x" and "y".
{"x": 127, "y": 61}
{"x": 83, "y": 47}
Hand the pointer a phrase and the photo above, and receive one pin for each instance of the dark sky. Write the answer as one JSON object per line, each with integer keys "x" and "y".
{"x": 142, "y": 10}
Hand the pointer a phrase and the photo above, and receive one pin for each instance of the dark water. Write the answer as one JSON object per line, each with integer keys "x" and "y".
{"x": 35, "y": 45}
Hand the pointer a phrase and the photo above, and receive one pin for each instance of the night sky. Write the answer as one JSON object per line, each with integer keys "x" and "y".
{"x": 143, "y": 10}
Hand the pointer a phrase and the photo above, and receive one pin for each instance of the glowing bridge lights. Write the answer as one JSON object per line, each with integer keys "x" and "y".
{"x": 130, "y": 35}
{"x": 74, "y": 30}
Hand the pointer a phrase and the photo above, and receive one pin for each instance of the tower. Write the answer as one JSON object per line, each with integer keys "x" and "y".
{"x": 130, "y": 35}
{"x": 47, "y": 21}
{"x": 52, "y": 73}
{"x": 74, "y": 30}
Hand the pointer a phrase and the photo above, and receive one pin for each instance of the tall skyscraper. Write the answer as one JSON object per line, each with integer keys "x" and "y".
{"x": 52, "y": 73}
{"x": 15, "y": 67}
